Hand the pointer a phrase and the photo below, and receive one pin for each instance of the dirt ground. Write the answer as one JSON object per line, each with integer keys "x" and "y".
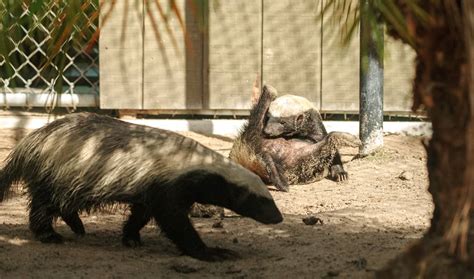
{"x": 366, "y": 222}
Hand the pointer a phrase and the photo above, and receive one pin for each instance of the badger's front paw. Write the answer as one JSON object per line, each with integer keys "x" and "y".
{"x": 281, "y": 183}
{"x": 50, "y": 237}
{"x": 338, "y": 173}
{"x": 132, "y": 240}
{"x": 284, "y": 187}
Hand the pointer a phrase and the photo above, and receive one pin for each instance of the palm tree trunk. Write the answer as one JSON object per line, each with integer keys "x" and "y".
{"x": 444, "y": 86}
{"x": 468, "y": 7}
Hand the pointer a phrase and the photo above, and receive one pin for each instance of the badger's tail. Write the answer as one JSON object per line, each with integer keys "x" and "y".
{"x": 8, "y": 176}
{"x": 342, "y": 139}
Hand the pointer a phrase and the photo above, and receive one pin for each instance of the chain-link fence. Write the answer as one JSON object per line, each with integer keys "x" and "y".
{"x": 34, "y": 65}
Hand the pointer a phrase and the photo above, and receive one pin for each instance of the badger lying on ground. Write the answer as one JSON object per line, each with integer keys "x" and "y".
{"x": 282, "y": 161}
{"x": 291, "y": 116}
{"x": 84, "y": 161}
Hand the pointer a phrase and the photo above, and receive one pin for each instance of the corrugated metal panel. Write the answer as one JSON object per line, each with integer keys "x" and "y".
{"x": 399, "y": 72}
{"x": 292, "y": 47}
{"x": 172, "y": 69}
{"x": 217, "y": 69}
{"x": 233, "y": 53}
{"x": 340, "y": 71}
{"x": 121, "y": 56}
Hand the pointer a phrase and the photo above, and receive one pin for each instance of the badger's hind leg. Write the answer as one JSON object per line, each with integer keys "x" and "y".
{"x": 138, "y": 218}
{"x": 74, "y": 222}
{"x": 41, "y": 216}
{"x": 275, "y": 173}
{"x": 317, "y": 160}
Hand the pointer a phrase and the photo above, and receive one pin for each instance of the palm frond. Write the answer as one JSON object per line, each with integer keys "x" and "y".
{"x": 345, "y": 15}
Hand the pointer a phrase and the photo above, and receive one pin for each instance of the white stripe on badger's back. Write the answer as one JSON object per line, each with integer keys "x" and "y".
{"x": 87, "y": 151}
{"x": 289, "y": 105}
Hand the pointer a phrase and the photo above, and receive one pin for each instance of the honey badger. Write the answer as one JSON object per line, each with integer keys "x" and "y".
{"x": 282, "y": 161}
{"x": 291, "y": 116}
{"x": 84, "y": 161}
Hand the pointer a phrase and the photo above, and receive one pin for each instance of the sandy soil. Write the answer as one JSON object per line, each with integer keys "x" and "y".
{"x": 366, "y": 222}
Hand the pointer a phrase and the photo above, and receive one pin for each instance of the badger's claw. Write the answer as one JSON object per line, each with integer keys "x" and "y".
{"x": 215, "y": 254}
{"x": 342, "y": 177}
{"x": 338, "y": 173}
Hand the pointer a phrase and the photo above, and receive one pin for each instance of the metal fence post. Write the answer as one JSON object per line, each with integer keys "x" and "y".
{"x": 371, "y": 80}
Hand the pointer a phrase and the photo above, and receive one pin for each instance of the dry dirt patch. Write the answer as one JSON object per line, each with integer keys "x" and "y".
{"x": 365, "y": 222}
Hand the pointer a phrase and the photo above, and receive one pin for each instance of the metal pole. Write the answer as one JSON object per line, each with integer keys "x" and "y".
{"x": 371, "y": 80}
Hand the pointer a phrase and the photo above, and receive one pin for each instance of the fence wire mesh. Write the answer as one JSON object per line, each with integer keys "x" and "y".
{"x": 29, "y": 66}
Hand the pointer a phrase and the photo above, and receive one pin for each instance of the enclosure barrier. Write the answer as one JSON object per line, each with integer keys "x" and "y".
{"x": 284, "y": 41}
{"x": 27, "y": 79}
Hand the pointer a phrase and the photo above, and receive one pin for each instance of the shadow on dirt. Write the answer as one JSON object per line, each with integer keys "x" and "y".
{"x": 288, "y": 248}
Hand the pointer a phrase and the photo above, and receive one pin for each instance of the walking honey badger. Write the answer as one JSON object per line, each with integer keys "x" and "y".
{"x": 285, "y": 156}
{"x": 85, "y": 161}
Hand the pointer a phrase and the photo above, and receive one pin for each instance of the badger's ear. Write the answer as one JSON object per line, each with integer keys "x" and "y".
{"x": 299, "y": 120}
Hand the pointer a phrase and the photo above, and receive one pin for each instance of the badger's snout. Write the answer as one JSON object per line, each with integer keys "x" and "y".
{"x": 271, "y": 216}
{"x": 261, "y": 209}
{"x": 273, "y": 129}
{"x": 268, "y": 213}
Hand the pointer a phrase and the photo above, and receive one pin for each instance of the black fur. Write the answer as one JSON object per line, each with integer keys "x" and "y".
{"x": 86, "y": 161}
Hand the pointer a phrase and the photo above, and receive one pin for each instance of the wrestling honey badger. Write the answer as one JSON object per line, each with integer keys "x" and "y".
{"x": 85, "y": 161}
{"x": 289, "y": 158}
{"x": 291, "y": 116}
